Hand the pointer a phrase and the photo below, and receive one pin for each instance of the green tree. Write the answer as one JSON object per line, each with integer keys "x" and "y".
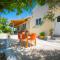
{"x": 3, "y": 20}
{"x": 52, "y": 6}
{"x": 11, "y": 5}
{"x": 4, "y": 27}
{"x": 7, "y": 29}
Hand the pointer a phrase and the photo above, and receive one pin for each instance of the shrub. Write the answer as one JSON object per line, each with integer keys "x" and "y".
{"x": 42, "y": 33}
{"x": 7, "y": 30}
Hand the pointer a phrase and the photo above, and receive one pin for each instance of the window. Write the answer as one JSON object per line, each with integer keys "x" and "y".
{"x": 24, "y": 26}
{"x": 38, "y": 21}
{"x": 58, "y": 19}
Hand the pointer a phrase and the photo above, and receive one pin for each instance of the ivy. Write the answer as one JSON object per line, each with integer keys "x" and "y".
{"x": 41, "y": 2}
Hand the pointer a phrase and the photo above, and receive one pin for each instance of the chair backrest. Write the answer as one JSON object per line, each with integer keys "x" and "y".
{"x": 19, "y": 35}
{"x": 23, "y": 35}
{"x": 33, "y": 36}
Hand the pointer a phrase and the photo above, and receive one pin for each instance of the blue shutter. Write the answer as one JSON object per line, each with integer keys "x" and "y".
{"x": 24, "y": 25}
{"x": 37, "y": 21}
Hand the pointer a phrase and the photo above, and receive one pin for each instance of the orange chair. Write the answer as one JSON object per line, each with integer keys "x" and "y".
{"x": 23, "y": 38}
{"x": 33, "y": 37}
{"x": 20, "y": 37}
{"x": 26, "y": 34}
{"x": 23, "y": 35}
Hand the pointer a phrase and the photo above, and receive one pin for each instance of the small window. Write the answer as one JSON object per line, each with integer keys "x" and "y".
{"x": 24, "y": 26}
{"x": 38, "y": 21}
{"x": 58, "y": 19}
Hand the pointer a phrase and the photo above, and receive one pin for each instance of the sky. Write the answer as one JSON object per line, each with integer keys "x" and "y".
{"x": 13, "y": 16}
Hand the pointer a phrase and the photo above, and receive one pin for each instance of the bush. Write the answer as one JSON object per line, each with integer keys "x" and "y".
{"x": 0, "y": 31}
{"x": 6, "y": 30}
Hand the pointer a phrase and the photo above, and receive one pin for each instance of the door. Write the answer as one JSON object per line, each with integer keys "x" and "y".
{"x": 57, "y": 26}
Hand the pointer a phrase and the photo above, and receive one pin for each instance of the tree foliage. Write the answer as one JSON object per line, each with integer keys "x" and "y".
{"x": 50, "y": 16}
{"x": 4, "y": 27}
{"x": 18, "y": 5}
{"x": 11, "y": 5}
{"x": 41, "y": 2}
{"x": 3, "y": 20}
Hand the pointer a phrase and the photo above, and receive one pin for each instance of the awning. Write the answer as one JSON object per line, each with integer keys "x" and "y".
{"x": 18, "y": 22}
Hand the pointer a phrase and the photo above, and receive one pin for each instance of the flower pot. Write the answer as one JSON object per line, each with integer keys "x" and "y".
{"x": 42, "y": 37}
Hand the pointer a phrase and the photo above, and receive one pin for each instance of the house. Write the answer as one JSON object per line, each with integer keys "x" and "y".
{"x": 19, "y": 24}
{"x": 36, "y": 23}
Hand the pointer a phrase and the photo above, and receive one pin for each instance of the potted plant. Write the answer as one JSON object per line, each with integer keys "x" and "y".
{"x": 51, "y": 33}
{"x": 42, "y": 35}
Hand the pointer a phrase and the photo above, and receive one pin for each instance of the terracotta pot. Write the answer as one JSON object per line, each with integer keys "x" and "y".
{"x": 42, "y": 37}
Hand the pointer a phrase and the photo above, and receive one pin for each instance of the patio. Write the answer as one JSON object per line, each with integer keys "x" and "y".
{"x": 30, "y": 30}
{"x": 43, "y": 50}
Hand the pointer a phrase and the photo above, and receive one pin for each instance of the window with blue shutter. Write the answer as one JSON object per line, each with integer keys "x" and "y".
{"x": 38, "y": 21}
{"x": 24, "y": 26}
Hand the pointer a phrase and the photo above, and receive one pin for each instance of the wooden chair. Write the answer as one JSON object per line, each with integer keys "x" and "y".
{"x": 23, "y": 38}
{"x": 33, "y": 38}
{"x": 23, "y": 35}
{"x": 19, "y": 36}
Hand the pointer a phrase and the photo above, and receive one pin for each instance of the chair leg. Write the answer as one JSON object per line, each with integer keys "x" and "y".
{"x": 31, "y": 44}
{"x": 35, "y": 42}
{"x": 26, "y": 42}
{"x": 20, "y": 42}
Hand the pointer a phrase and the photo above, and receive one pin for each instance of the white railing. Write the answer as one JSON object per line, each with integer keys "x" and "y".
{"x": 5, "y": 36}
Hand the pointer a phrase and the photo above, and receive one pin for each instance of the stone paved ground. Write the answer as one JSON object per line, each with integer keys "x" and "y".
{"x": 37, "y": 54}
{"x": 42, "y": 51}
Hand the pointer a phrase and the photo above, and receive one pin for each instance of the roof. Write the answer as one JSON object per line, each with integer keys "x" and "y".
{"x": 18, "y": 22}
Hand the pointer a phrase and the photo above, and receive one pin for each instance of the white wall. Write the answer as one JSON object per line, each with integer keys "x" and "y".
{"x": 57, "y": 24}
{"x": 39, "y": 12}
